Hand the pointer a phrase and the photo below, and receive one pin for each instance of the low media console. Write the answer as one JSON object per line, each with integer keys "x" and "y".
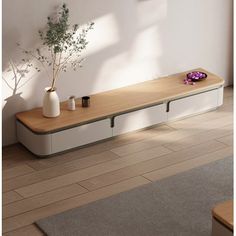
{"x": 117, "y": 112}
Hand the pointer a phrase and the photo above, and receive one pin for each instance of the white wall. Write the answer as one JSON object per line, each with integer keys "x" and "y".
{"x": 133, "y": 41}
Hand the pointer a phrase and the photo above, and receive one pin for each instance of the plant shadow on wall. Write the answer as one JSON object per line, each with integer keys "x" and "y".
{"x": 61, "y": 49}
{"x": 124, "y": 47}
{"x": 15, "y": 77}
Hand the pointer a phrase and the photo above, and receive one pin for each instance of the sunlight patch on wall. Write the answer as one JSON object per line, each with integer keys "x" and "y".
{"x": 104, "y": 34}
{"x": 150, "y": 12}
{"x": 139, "y": 63}
{"x": 147, "y": 45}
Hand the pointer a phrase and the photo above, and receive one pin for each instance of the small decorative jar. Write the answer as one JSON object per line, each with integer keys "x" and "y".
{"x": 71, "y": 103}
{"x": 85, "y": 101}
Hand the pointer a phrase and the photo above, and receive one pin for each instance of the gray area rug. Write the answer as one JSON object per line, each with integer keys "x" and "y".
{"x": 179, "y": 205}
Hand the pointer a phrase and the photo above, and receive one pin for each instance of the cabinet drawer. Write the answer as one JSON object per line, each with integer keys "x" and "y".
{"x": 139, "y": 119}
{"x": 37, "y": 144}
{"x": 81, "y": 135}
{"x": 193, "y": 104}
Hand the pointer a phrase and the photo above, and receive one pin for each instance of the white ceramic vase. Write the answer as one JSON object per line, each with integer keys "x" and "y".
{"x": 71, "y": 103}
{"x": 51, "y": 103}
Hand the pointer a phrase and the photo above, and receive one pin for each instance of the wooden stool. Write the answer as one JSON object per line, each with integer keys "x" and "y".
{"x": 222, "y": 219}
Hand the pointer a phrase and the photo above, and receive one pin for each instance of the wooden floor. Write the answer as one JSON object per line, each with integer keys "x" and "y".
{"x": 36, "y": 188}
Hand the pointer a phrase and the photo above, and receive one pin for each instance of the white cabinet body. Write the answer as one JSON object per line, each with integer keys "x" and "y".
{"x": 47, "y": 144}
{"x": 81, "y": 135}
{"x": 220, "y": 96}
{"x": 195, "y": 104}
{"x": 37, "y": 144}
{"x": 139, "y": 119}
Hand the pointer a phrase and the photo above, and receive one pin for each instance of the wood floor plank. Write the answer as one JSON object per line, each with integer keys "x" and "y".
{"x": 16, "y": 155}
{"x": 28, "y": 218}
{"x": 101, "y": 147}
{"x": 199, "y": 138}
{"x": 30, "y": 230}
{"x": 150, "y": 165}
{"x": 189, "y": 164}
{"x": 228, "y": 91}
{"x": 173, "y": 137}
{"x": 204, "y": 121}
{"x": 9, "y": 152}
{"x": 89, "y": 172}
{"x": 10, "y": 197}
{"x": 16, "y": 171}
{"x": 228, "y": 140}
{"x": 144, "y": 144}
{"x": 139, "y": 161}
{"x": 58, "y": 170}
{"x": 228, "y": 100}
{"x": 225, "y": 110}
{"x": 64, "y": 158}
{"x": 44, "y": 199}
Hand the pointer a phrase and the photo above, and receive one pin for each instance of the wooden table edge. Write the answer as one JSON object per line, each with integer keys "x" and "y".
{"x": 114, "y": 114}
{"x": 220, "y": 219}
{"x": 109, "y": 116}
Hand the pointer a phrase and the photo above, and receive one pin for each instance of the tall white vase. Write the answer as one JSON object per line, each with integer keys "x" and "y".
{"x": 51, "y": 103}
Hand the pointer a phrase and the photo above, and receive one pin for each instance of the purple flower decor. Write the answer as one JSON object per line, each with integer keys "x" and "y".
{"x": 194, "y": 76}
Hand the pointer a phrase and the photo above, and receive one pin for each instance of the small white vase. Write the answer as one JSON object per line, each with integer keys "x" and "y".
{"x": 71, "y": 103}
{"x": 51, "y": 103}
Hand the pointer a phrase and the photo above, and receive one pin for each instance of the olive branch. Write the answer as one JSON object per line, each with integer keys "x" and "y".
{"x": 64, "y": 45}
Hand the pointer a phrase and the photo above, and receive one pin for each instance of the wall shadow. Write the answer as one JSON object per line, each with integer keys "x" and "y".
{"x": 14, "y": 104}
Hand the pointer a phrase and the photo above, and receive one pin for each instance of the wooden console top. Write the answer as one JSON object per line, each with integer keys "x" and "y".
{"x": 223, "y": 212}
{"x": 117, "y": 101}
